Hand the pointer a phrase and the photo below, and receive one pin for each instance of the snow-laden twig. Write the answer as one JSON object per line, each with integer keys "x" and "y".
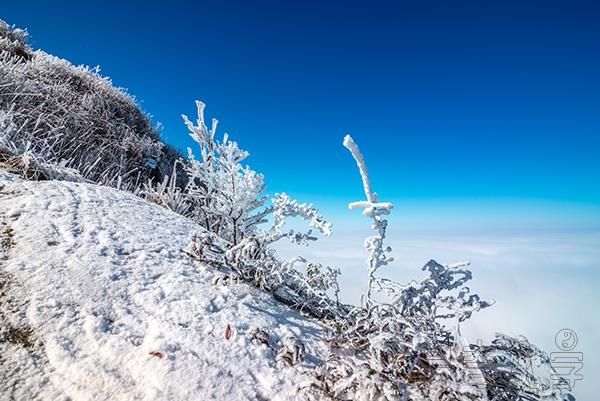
{"x": 373, "y": 209}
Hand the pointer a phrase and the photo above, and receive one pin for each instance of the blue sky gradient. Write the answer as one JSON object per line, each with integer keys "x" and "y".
{"x": 469, "y": 113}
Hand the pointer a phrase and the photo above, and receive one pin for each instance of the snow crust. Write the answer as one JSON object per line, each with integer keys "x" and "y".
{"x": 108, "y": 307}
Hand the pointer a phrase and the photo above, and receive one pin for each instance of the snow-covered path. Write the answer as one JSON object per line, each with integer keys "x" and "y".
{"x": 97, "y": 302}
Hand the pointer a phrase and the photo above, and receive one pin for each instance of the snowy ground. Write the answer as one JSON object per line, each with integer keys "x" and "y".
{"x": 97, "y": 302}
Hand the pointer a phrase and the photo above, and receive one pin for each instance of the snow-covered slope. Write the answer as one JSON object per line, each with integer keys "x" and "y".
{"x": 98, "y": 302}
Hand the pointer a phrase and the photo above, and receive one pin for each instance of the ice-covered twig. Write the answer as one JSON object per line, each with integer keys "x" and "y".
{"x": 362, "y": 166}
{"x": 373, "y": 209}
{"x": 283, "y": 207}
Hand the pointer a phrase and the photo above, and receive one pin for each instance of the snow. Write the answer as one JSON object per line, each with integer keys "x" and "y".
{"x": 110, "y": 308}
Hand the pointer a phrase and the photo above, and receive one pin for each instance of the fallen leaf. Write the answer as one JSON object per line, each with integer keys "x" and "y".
{"x": 157, "y": 354}
{"x": 228, "y": 332}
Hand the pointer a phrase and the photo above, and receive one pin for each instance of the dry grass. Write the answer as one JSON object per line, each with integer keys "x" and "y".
{"x": 20, "y": 336}
{"x": 63, "y": 113}
{"x": 6, "y": 237}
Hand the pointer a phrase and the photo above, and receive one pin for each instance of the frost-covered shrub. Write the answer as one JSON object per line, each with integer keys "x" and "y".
{"x": 167, "y": 194}
{"x": 72, "y": 117}
{"x": 509, "y": 367}
{"x": 228, "y": 200}
{"x": 226, "y": 194}
{"x": 403, "y": 342}
{"x": 228, "y": 197}
{"x": 14, "y": 42}
{"x": 408, "y": 347}
{"x": 401, "y": 349}
{"x": 20, "y": 159}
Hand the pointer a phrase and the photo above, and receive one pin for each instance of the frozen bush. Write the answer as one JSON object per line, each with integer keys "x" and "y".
{"x": 167, "y": 194}
{"x": 410, "y": 347}
{"x": 73, "y": 117}
{"x": 228, "y": 200}
{"x": 19, "y": 158}
{"x": 226, "y": 194}
{"x": 229, "y": 197}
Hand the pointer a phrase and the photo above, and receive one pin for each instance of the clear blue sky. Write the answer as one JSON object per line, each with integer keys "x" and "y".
{"x": 488, "y": 109}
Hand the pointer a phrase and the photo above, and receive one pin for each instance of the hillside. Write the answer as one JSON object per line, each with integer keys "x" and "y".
{"x": 52, "y": 111}
{"x": 98, "y": 303}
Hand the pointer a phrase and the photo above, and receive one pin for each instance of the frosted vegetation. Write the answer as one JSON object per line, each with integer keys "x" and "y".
{"x": 62, "y": 121}
{"x": 402, "y": 343}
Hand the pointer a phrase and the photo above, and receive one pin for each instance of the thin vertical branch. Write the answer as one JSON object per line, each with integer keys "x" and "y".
{"x": 374, "y": 210}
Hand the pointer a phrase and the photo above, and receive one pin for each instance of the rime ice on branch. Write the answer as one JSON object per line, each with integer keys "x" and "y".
{"x": 228, "y": 198}
{"x": 226, "y": 194}
{"x": 374, "y": 209}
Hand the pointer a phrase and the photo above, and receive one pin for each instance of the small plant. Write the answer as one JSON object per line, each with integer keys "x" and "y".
{"x": 167, "y": 194}
{"x": 405, "y": 349}
{"x": 225, "y": 194}
{"x": 229, "y": 198}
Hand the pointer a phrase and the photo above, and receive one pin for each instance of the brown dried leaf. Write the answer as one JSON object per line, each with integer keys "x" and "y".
{"x": 157, "y": 354}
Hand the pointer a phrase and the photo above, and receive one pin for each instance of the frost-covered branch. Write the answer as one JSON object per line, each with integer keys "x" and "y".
{"x": 283, "y": 207}
{"x": 225, "y": 193}
{"x": 373, "y": 209}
